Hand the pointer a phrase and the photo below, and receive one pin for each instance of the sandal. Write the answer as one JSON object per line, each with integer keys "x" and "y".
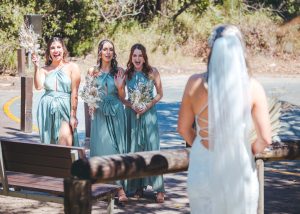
{"x": 138, "y": 193}
{"x": 160, "y": 197}
{"x": 122, "y": 196}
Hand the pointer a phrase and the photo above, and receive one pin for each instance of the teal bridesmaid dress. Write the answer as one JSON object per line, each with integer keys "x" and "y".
{"x": 55, "y": 107}
{"x": 108, "y": 128}
{"x": 143, "y": 135}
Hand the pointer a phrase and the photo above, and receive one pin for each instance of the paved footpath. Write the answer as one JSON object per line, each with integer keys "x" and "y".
{"x": 282, "y": 179}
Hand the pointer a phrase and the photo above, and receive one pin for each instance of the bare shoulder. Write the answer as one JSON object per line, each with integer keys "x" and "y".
{"x": 255, "y": 86}
{"x": 195, "y": 79}
{"x": 257, "y": 91}
{"x": 154, "y": 71}
{"x": 73, "y": 66}
{"x": 193, "y": 85}
{"x": 74, "y": 69}
{"x": 154, "y": 74}
{"x": 44, "y": 69}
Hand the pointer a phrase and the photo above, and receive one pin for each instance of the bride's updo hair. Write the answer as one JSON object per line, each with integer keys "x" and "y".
{"x": 227, "y": 30}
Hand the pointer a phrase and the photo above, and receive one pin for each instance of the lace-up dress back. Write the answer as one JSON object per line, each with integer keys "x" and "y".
{"x": 201, "y": 195}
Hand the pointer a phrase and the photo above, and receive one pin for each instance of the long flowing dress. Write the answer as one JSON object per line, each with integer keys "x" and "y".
{"x": 200, "y": 192}
{"x": 55, "y": 107}
{"x": 143, "y": 135}
{"x": 108, "y": 128}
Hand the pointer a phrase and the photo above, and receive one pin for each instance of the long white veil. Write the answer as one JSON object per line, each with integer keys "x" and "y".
{"x": 231, "y": 160}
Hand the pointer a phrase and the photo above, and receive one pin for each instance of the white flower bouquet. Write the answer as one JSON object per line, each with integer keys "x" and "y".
{"x": 140, "y": 95}
{"x": 29, "y": 39}
{"x": 91, "y": 93}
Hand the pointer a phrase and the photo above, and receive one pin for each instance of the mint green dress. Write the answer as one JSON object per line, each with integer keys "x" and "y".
{"x": 108, "y": 128}
{"x": 143, "y": 135}
{"x": 55, "y": 107}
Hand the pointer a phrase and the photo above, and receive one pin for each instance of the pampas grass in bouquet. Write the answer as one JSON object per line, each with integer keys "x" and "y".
{"x": 29, "y": 41}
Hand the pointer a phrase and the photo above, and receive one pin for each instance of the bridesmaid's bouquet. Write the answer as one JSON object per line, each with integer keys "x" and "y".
{"x": 29, "y": 39}
{"x": 140, "y": 95}
{"x": 91, "y": 93}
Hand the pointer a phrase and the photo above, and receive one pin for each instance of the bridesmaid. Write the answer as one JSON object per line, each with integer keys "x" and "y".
{"x": 143, "y": 132}
{"x": 108, "y": 128}
{"x": 56, "y": 114}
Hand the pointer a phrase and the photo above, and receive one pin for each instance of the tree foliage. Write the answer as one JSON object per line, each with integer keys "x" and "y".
{"x": 81, "y": 23}
{"x": 77, "y": 21}
{"x": 287, "y": 9}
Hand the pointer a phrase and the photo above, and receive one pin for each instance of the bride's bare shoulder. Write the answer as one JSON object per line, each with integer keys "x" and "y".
{"x": 193, "y": 85}
{"x": 196, "y": 79}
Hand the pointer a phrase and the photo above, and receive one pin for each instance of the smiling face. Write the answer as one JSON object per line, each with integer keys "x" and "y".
{"x": 107, "y": 52}
{"x": 138, "y": 59}
{"x": 56, "y": 51}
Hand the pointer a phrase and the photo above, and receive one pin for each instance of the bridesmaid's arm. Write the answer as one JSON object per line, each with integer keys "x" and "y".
{"x": 120, "y": 83}
{"x": 158, "y": 87}
{"x": 39, "y": 73}
{"x": 75, "y": 81}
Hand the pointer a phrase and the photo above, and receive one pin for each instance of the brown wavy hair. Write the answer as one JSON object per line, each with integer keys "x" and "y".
{"x": 130, "y": 67}
{"x": 48, "y": 60}
{"x": 114, "y": 62}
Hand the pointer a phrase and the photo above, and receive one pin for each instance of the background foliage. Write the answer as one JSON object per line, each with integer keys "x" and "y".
{"x": 168, "y": 28}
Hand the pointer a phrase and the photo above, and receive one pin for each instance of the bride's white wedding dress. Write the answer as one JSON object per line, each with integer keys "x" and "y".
{"x": 238, "y": 196}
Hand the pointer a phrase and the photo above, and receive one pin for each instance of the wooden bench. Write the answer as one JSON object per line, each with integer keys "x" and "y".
{"x": 37, "y": 171}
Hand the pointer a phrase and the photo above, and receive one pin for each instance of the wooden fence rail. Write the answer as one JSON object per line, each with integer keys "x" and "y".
{"x": 136, "y": 165}
{"x": 141, "y": 164}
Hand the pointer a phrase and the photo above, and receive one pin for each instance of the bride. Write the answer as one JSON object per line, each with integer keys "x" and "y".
{"x": 224, "y": 102}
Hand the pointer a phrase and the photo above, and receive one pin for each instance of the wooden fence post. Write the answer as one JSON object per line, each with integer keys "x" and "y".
{"x": 26, "y": 103}
{"x": 87, "y": 119}
{"x": 78, "y": 196}
{"x": 21, "y": 61}
{"x": 260, "y": 174}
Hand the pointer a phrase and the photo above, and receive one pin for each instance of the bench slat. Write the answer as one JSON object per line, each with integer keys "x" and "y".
{"x": 38, "y": 160}
{"x": 101, "y": 190}
{"x": 52, "y": 185}
{"x": 38, "y": 149}
{"x": 39, "y": 170}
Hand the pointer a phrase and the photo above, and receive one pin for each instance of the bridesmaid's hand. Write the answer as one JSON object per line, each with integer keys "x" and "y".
{"x": 35, "y": 59}
{"x": 73, "y": 123}
{"x": 141, "y": 110}
{"x": 93, "y": 72}
{"x": 136, "y": 109}
{"x": 91, "y": 111}
{"x": 119, "y": 79}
